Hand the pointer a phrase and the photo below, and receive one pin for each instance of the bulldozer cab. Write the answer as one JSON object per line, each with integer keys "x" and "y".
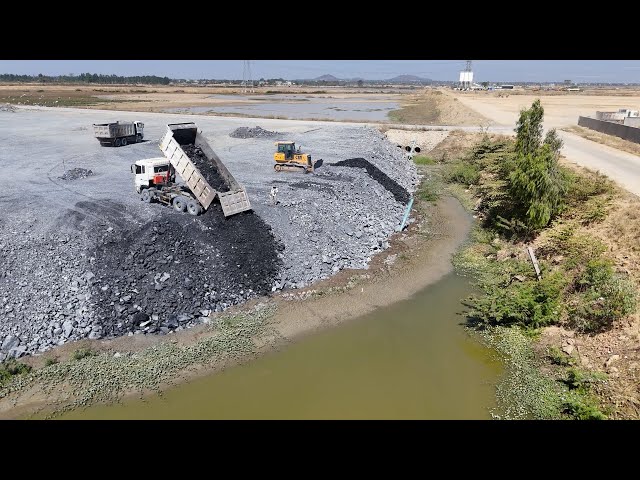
{"x": 288, "y": 148}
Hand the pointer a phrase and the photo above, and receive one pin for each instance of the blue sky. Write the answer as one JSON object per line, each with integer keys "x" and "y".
{"x": 622, "y": 71}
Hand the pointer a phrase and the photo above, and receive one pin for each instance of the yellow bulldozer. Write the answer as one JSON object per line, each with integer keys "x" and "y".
{"x": 288, "y": 158}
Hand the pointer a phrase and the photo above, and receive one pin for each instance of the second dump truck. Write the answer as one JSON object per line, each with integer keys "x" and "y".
{"x": 118, "y": 134}
{"x": 155, "y": 177}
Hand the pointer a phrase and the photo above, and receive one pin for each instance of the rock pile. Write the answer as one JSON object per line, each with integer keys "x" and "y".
{"x": 398, "y": 192}
{"x": 5, "y": 107}
{"x": 76, "y": 173}
{"x": 167, "y": 274}
{"x": 257, "y": 132}
{"x": 207, "y": 168}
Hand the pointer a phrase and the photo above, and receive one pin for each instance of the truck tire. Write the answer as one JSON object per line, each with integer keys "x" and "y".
{"x": 148, "y": 195}
{"x": 124, "y": 142}
{"x": 180, "y": 203}
{"x": 117, "y": 142}
{"x": 193, "y": 208}
{"x": 138, "y": 138}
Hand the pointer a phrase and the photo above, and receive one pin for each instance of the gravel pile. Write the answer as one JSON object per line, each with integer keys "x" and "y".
{"x": 162, "y": 276}
{"x": 5, "y": 107}
{"x": 76, "y": 173}
{"x": 398, "y": 192}
{"x": 207, "y": 168}
{"x": 166, "y": 274}
{"x": 257, "y": 132}
{"x": 339, "y": 216}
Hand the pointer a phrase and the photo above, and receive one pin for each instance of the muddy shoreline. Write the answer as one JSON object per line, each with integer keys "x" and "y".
{"x": 418, "y": 257}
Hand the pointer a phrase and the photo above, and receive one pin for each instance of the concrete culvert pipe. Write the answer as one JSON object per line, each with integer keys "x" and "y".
{"x": 417, "y": 149}
{"x": 399, "y": 146}
{"x": 407, "y": 148}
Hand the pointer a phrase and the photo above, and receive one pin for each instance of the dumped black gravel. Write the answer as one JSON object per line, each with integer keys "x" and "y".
{"x": 206, "y": 167}
{"x": 257, "y": 132}
{"x": 399, "y": 193}
{"x": 76, "y": 173}
{"x": 167, "y": 274}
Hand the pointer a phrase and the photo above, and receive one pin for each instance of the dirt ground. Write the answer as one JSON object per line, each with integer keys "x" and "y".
{"x": 152, "y": 98}
{"x": 559, "y": 110}
{"x": 437, "y": 107}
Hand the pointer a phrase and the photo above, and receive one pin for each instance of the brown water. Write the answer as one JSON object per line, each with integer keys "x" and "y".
{"x": 411, "y": 360}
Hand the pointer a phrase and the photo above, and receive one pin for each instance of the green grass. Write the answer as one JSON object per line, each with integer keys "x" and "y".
{"x": 423, "y": 160}
{"x": 83, "y": 352}
{"x": 462, "y": 172}
{"x": 11, "y": 368}
{"x": 525, "y": 392}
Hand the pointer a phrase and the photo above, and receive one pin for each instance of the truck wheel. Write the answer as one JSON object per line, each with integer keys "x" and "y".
{"x": 147, "y": 195}
{"x": 277, "y": 167}
{"x": 180, "y": 203}
{"x": 124, "y": 142}
{"x": 117, "y": 142}
{"x": 193, "y": 207}
{"x": 138, "y": 138}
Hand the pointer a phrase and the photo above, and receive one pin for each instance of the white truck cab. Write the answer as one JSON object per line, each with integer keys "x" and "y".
{"x": 139, "y": 130}
{"x": 150, "y": 172}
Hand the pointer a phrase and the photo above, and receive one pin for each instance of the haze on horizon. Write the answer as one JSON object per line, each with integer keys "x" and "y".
{"x": 579, "y": 71}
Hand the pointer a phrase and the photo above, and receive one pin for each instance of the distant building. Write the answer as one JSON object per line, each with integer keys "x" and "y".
{"x": 505, "y": 87}
{"x": 617, "y": 117}
{"x": 632, "y": 122}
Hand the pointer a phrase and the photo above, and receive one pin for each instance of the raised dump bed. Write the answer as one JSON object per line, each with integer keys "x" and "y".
{"x": 212, "y": 178}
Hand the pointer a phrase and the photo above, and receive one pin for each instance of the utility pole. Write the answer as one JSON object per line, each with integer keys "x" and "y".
{"x": 247, "y": 82}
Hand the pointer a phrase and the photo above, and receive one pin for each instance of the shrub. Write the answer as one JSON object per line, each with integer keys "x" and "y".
{"x": 462, "y": 172}
{"x": 558, "y": 357}
{"x": 613, "y": 300}
{"x": 11, "y": 367}
{"x": 580, "y": 408}
{"x": 530, "y": 303}
{"x": 537, "y": 186}
{"x": 578, "y": 249}
{"x": 582, "y": 381}
{"x": 594, "y": 211}
{"x": 50, "y": 361}
{"x": 83, "y": 352}
{"x": 596, "y": 273}
{"x": 581, "y": 187}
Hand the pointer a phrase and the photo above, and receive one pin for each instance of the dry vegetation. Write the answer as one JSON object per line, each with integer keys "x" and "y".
{"x": 436, "y": 107}
{"x": 604, "y": 139}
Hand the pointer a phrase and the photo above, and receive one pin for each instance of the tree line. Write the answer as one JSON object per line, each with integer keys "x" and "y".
{"x": 97, "y": 78}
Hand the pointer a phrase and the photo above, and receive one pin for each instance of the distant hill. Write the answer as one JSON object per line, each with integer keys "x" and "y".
{"x": 409, "y": 79}
{"x": 327, "y": 78}
{"x": 399, "y": 79}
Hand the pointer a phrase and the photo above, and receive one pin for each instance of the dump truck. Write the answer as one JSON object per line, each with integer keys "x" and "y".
{"x": 155, "y": 179}
{"x": 119, "y": 133}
